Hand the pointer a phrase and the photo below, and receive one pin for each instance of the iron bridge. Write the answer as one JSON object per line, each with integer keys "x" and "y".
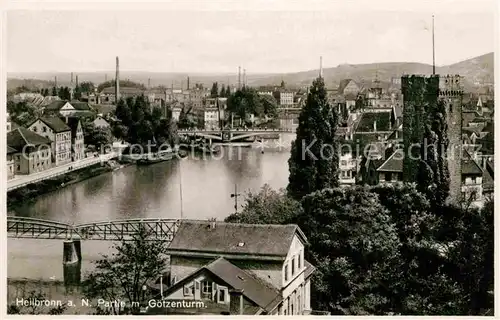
{"x": 114, "y": 230}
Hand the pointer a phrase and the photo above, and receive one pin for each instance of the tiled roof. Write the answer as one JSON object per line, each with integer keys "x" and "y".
{"x": 21, "y": 137}
{"x": 469, "y": 166}
{"x": 54, "y": 123}
{"x": 394, "y": 163}
{"x": 382, "y": 119}
{"x": 234, "y": 239}
{"x": 254, "y": 289}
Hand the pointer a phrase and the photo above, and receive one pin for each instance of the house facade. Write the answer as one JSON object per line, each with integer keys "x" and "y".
{"x": 58, "y": 133}
{"x": 11, "y": 164}
{"x": 32, "y": 151}
{"x": 77, "y": 139}
{"x": 347, "y": 169}
{"x": 213, "y": 261}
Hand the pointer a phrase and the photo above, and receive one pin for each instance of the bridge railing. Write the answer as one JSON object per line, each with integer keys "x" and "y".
{"x": 236, "y": 130}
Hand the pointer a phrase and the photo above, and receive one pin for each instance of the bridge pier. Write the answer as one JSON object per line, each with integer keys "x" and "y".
{"x": 72, "y": 263}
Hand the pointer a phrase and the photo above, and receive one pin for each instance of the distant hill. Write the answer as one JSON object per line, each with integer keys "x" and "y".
{"x": 475, "y": 70}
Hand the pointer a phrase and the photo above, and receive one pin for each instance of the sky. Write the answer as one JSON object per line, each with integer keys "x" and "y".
{"x": 263, "y": 37}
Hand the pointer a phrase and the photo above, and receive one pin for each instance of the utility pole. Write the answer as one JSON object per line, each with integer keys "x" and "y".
{"x": 235, "y": 195}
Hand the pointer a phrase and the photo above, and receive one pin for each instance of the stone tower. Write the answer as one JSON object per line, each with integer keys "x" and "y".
{"x": 451, "y": 91}
{"x": 422, "y": 97}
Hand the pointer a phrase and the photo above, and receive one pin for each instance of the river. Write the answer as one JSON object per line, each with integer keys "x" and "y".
{"x": 145, "y": 192}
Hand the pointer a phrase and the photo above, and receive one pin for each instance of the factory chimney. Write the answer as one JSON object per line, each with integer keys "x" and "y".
{"x": 76, "y": 83}
{"x": 244, "y": 77}
{"x": 188, "y": 83}
{"x": 117, "y": 81}
{"x": 239, "y": 77}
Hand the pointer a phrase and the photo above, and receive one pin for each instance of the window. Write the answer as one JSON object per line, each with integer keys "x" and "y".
{"x": 293, "y": 266}
{"x": 189, "y": 290}
{"x": 388, "y": 176}
{"x": 299, "y": 261}
{"x": 44, "y": 129}
{"x": 34, "y": 129}
{"x": 222, "y": 294}
{"x": 343, "y": 162}
{"x": 207, "y": 287}
{"x": 286, "y": 272}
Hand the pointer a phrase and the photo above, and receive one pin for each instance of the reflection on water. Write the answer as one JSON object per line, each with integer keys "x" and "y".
{"x": 144, "y": 191}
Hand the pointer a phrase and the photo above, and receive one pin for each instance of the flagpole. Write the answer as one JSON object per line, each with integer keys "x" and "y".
{"x": 433, "y": 49}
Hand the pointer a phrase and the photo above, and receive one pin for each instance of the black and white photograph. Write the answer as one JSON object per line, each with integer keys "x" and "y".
{"x": 255, "y": 157}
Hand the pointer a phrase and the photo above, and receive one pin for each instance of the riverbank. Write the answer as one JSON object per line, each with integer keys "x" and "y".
{"x": 30, "y": 192}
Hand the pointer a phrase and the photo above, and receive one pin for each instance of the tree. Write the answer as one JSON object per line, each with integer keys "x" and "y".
{"x": 87, "y": 87}
{"x": 228, "y": 91}
{"x": 313, "y": 163}
{"x": 222, "y": 93}
{"x": 282, "y": 85}
{"x": 54, "y": 91}
{"x": 268, "y": 206}
{"x": 354, "y": 245}
{"x": 123, "y": 275}
{"x": 270, "y": 106}
{"x": 214, "y": 92}
{"x": 22, "y": 112}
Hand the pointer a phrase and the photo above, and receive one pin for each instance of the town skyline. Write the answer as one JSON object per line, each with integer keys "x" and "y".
{"x": 262, "y": 42}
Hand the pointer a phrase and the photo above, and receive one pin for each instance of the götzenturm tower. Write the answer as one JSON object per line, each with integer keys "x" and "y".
{"x": 432, "y": 123}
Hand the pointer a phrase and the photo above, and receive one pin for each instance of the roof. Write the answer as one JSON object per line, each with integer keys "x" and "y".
{"x": 488, "y": 182}
{"x": 255, "y": 290}
{"x": 73, "y": 125}
{"x": 56, "y": 105}
{"x": 78, "y": 105}
{"x": 53, "y": 123}
{"x": 309, "y": 269}
{"x": 14, "y": 125}
{"x": 10, "y": 150}
{"x": 21, "y": 137}
{"x": 469, "y": 166}
{"x": 368, "y": 119}
{"x": 394, "y": 163}
{"x": 476, "y": 129}
{"x": 259, "y": 240}
{"x": 104, "y": 108}
{"x": 343, "y": 84}
{"x": 127, "y": 90}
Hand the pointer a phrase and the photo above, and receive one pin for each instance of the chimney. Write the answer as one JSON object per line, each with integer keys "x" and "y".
{"x": 236, "y": 302}
{"x": 77, "y": 80}
{"x": 375, "y": 126}
{"x": 71, "y": 77}
{"x": 244, "y": 77}
{"x": 188, "y": 83}
{"x": 149, "y": 83}
{"x": 117, "y": 81}
{"x": 239, "y": 77}
{"x": 321, "y": 67}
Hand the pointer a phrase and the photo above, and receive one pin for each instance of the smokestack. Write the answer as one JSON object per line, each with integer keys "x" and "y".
{"x": 244, "y": 77}
{"x": 321, "y": 67}
{"x": 149, "y": 83}
{"x": 239, "y": 77}
{"x": 117, "y": 81}
{"x": 188, "y": 83}
{"x": 77, "y": 80}
{"x": 71, "y": 77}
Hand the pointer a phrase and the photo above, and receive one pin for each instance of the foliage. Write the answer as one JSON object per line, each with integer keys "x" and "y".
{"x": 32, "y": 308}
{"x": 22, "y": 112}
{"x": 355, "y": 246}
{"x": 123, "y": 275}
{"x": 54, "y": 91}
{"x": 268, "y": 206}
{"x": 139, "y": 123}
{"x": 87, "y": 87}
{"x": 313, "y": 163}
{"x": 99, "y": 137}
{"x": 214, "y": 92}
{"x": 123, "y": 83}
{"x": 247, "y": 101}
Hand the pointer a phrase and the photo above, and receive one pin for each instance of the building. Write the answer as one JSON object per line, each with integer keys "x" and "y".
{"x": 349, "y": 87}
{"x": 58, "y": 133}
{"x": 240, "y": 268}
{"x": 9, "y": 124}
{"x": 391, "y": 170}
{"x": 347, "y": 169}
{"x": 67, "y": 109}
{"x": 33, "y": 152}
{"x": 77, "y": 139}
{"x": 286, "y": 98}
{"x": 211, "y": 120}
{"x": 472, "y": 182}
{"x": 100, "y": 122}
{"x": 417, "y": 111}
{"x": 11, "y": 164}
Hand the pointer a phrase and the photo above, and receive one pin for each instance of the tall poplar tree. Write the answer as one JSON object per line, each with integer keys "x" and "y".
{"x": 313, "y": 162}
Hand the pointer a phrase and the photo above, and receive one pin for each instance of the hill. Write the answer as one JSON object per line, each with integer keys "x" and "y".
{"x": 475, "y": 70}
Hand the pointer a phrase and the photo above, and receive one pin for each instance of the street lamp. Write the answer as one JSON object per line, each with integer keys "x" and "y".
{"x": 235, "y": 195}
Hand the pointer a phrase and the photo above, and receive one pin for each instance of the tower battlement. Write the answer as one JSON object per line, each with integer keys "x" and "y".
{"x": 451, "y": 86}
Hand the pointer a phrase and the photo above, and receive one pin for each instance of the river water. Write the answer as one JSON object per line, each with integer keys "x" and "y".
{"x": 145, "y": 192}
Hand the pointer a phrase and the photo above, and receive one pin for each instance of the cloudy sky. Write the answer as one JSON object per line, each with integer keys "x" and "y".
{"x": 272, "y": 36}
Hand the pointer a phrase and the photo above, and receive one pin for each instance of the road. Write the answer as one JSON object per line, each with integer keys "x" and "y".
{"x": 22, "y": 180}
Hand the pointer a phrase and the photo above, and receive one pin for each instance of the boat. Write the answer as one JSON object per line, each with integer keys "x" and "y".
{"x": 156, "y": 157}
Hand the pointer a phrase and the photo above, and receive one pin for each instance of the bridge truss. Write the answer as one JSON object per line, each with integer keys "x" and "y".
{"x": 115, "y": 230}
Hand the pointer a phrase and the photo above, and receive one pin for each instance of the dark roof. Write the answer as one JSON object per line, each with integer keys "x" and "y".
{"x": 53, "y": 123}
{"x": 56, "y": 105}
{"x": 469, "y": 166}
{"x": 309, "y": 269}
{"x": 21, "y": 137}
{"x": 83, "y": 106}
{"x": 257, "y": 239}
{"x": 382, "y": 119}
{"x": 73, "y": 124}
{"x": 254, "y": 289}
{"x": 10, "y": 150}
{"x": 488, "y": 182}
{"x": 104, "y": 108}
{"x": 394, "y": 163}
{"x": 14, "y": 125}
